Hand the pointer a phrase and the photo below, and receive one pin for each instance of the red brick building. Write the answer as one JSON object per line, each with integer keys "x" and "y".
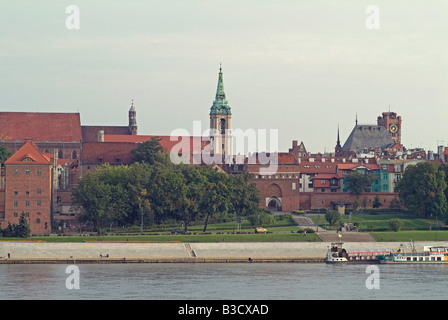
{"x": 28, "y": 189}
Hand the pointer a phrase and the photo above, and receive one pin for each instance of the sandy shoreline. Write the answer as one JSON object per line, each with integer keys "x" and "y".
{"x": 221, "y": 252}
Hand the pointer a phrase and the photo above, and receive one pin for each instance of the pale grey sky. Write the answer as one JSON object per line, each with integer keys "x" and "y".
{"x": 301, "y": 67}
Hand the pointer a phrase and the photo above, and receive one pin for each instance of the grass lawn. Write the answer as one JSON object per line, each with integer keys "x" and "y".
{"x": 416, "y": 235}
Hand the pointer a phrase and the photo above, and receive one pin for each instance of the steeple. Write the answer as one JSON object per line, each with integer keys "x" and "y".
{"x": 220, "y": 105}
{"x": 338, "y": 147}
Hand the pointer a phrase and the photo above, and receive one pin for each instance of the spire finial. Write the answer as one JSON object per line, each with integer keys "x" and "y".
{"x": 356, "y": 119}
{"x": 220, "y": 67}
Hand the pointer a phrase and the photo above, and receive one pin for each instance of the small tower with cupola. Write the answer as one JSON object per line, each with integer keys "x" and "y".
{"x": 132, "y": 120}
{"x": 221, "y": 121}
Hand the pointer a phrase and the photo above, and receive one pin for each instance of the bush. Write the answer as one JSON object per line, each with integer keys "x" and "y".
{"x": 395, "y": 224}
{"x": 22, "y": 230}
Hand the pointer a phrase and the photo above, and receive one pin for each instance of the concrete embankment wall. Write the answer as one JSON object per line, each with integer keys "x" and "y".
{"x": 36, "y": 252}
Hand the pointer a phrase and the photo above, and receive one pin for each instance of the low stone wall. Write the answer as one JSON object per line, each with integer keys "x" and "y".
{"x": 29, "y": 252}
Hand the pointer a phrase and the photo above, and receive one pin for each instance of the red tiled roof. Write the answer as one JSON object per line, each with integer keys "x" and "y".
{"x": 327, "y": 176}
{"x": 28, "y": 154}
{"x": 40, "y": 126}
{"x": 350, "y": 166}
{"x": 166, "y": 141}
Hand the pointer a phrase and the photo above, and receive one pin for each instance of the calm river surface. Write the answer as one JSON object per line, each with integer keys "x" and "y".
{"x": 241, "y": 281}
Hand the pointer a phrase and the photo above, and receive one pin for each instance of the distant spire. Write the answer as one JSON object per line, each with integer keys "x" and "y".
{"x": 220, "y": 105}
{"x": 356, "y": 121}
{"x": 339, "y": 141}
{"x": 338, "y": 147}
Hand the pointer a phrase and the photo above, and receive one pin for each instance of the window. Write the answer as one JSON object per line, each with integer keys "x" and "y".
{"x": 16, "y": 193}
{"x": 16, "y": 203}
{"x": 16, "y": 171}
{"x": 294, "y": 186}
{"x": 27, "y": 203}
{"x": 322, "y": 190}
{"x": 27, "y": 172}
{"x": 39, "y": 203}
{"x": 323, "y": 181}
{"x": 39, "y": 191}
{"x": 39, "y": 172}
{"x": 27, "y": 193}
{"x": 38, "y": 220}
{"x": 16, "y": 214}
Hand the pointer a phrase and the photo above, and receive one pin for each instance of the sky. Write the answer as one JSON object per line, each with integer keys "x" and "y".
{"x": 301, "y": 67}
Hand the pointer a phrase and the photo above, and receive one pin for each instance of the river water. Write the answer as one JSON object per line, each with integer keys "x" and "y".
{"x": 210, "y": 281}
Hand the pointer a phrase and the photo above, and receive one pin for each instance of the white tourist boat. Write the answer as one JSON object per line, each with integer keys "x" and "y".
{"x": 430, "y": 255}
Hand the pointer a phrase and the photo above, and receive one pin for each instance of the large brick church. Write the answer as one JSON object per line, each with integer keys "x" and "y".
{"x": 52, "y": 151}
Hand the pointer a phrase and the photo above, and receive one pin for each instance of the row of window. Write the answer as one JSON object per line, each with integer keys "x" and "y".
{"x": 27, "y": 214}
{"x": 28, "y": 172}
{"x": 38, "y": 191}
{"x": 27, "y": 203}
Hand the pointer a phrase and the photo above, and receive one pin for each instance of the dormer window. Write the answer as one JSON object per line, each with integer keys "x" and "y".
{"x": 27, "y": 159}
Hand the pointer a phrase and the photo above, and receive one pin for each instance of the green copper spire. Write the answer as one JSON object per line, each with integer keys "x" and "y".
{"x": 220, "y": 105}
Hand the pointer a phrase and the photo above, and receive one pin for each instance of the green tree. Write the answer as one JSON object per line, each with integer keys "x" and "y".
{"x": 377, "y": 202}
{"x": 358, "y": 183}
{"x": 244, "y": 195}
{"x": 150, "y": 151}
{"x": 333, "y": 217}
{"x": 215, "y": 200}
{"x": 92, "y": 198}
{"x": 196, "y": 183}
{"x": 23, "y": 229}
{"x": 422, "y": 189}
{"x": 4, "y": 155}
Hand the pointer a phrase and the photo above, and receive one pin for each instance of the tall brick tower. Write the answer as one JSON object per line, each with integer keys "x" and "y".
{"x": 29, "y": 188}
{"x": 392, "y": 123}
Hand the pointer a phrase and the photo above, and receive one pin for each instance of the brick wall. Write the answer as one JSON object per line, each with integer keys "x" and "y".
{"x": 28, "y": 190}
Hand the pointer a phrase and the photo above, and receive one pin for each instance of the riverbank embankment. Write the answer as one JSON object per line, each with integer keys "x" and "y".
{"x": 135, "y": 252}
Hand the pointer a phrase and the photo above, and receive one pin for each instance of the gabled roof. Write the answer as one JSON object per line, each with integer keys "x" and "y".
{"x": 28, "y": 154}
{"x": 40, "y": 126}
{"x": 367, "y": 137}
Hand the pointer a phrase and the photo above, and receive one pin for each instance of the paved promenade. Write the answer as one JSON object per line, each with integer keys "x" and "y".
{"x": 23, "y": 252}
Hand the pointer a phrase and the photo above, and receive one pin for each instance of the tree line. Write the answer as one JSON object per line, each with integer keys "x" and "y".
{"x": 153, "y": 191}
{"x": 423, "y": 188}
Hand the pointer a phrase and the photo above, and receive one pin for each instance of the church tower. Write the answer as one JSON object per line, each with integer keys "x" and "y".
{"x": 220, "y": 121}
{"x": 132, "y": 120}
{"x": 392, "y": 123}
